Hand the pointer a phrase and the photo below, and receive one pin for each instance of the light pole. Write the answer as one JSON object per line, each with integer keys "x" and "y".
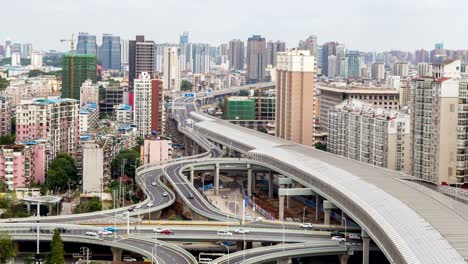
{"x": 345, "y": 224}
{"x": 38, "y": 260}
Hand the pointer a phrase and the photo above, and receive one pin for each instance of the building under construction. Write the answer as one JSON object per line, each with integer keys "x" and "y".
{"x": 76, "y": 69}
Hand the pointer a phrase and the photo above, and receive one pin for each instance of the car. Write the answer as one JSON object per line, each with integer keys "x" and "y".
{"x": 110, "y": 229}
{"x": 165, "y": 194}
{"x": 241, "y": 231}
{"x": 336, "y": 233}
{"x": 150, "y": 204}
{"x": 306, "y": 225}
{"x": 138, "y": 206}
{"x": 224, "y": 197}
{"x": 91, "y": 234}
{"x": 190, "y": 196}
{"x": 105, "y": 233}
{"x": 259, "y": 219}
{"x": 153, "y": 183}
{"x": 339, "y": 239}
{"x": 158, "y": 230}
{"x": 224, "y": 232}
{"x": 354, "y": 237}
{"x": 129, "y": 259}
{"x": 166, "y": 232}
{"x": 131, "y": 209}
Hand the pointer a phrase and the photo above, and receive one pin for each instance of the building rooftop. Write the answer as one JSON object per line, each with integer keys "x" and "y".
{"x": 357, "y": 89}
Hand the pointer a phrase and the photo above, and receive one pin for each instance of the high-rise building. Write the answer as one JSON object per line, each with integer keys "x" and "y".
{"x": 424, "y": 69}
{"x": 86, "y": 44}
{"x": 184, "y": 38}
{"x": 236, "y": 54}
{"x": 15, "y": 59}
{"x": 89, "y": 93}
{"x": 76, "y": 69}
{"x": 328, "y": 49}
{"x": 378, "y": 71}
{"x": 16, "y": 48}
{"x": 354, "y": 64}
{"x": 160, "y": 57}
{"x": 7, "y": 52}
{"x": 239, "y": 108}
{"x": 36, "y": 59}
{"x": 110, "y": 57}
{"x": 141, "y": 58}
{"x": 148, "y": 105}
{"x": 124, "y": 52}
{"x": 171, "y": 73}
{"x": 439, "y": 124}
{"x": 310, "y": 44}
{"x": 272, "y": 49}
{"x": 200, "y": 58}
{"x": 5, "y": 115}
{"x": 401, "y": 69}
{"x": 372, "y": 135}
{"x": 27, "y": 51}
{"x": 256, "y": 59}
{"x": 52, "y": 119}
{"x": 295, "y": 96}
{"x": 332, "y": 65}
{"x": 421, "y": 56}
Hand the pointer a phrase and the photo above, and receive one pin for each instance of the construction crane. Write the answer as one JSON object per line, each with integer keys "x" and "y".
{"x": 72, "y": 66}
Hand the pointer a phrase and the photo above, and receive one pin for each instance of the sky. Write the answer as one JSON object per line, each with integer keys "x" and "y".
{"x": 366, "y": 25}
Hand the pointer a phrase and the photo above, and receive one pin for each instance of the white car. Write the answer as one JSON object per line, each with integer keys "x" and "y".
{"x": 241, "y": 231}
{"x": 129, "y": 259}
{"x": 306, "y": 225}
{"x": 339, "y": 239}
{"x": 153, "y": 183}
{"x": 165, "y": 194}
{"x": 150, "y": 204}
{"x": 354, "y": 236}
{"x": 105, "y": 233}
{"x": 158, "y": 230}
{"x": 138, "y": 206}
{"x": 91, "y": 234}
{"x": 224, "y": 232}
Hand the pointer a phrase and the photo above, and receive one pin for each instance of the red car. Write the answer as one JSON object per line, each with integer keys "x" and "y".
{"x": 167, "y": 232}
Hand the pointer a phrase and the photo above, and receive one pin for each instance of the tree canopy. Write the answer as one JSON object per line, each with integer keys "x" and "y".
{"x": 4, "y": 83}
{"x": 88, "y": 206}
{"x": 130, "y": 156}
{"x": 60, "y": 171}
{"x": 7, "y": 250}
{"x": 186, "y": 86}
{"x": 7, "y": 139}
{"x": 56, "y": 254}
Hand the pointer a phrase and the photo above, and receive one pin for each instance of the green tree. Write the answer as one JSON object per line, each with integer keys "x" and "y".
{"x": 7, "y": 250}
{"x": 56, "y": 254}
{"x": 13, "y": 125}
{"x": 130, "y": 156}
{"x": 321, "y": 146}
{"x": 186, "y": 86}
{"x": 4, "y": 83}
{"x": 7, "y": 140}
{"x": 88, "y": 206}
{"x": 61, "y": 170}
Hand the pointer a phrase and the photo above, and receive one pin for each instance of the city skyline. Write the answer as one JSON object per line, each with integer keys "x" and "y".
{"x": 346, "y": 23}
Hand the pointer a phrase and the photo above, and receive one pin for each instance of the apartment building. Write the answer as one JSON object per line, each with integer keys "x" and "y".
{"x": 88, "y": 117}
{"x": 148, "y": 112}
{"x": 53, "y": 119}
{"x": 89, "y": 92}
{"x": 363, "y": 132}
{"x": 332, "y": 94}
{"x": 5, "y": 115}
{"x": 124, "y": 113}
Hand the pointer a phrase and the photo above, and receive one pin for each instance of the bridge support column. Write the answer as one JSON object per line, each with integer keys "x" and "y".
{"x": 216, "y": 179}
{"x": 116, "y": 255}
{"x": 254, "y": 181}
{"x": 270, "y": 185}
{"x": 288, "y": 198}
{"x": 281, "y": 207}
{"x": 248, "y": 245}
{"x": 249, "y": 180}
{"x": 343, "y": 259}
{"x": 365, "y": 247}
{"x": 192, "y": 175}
{"x": 186, "y": 146}
{"x": 318, "y": 202}
{"x": 28, "y": 205}
{"x": 284, "y": 261}
{"x": 327, "y": 207}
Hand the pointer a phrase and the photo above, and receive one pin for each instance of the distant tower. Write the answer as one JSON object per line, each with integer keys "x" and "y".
{"x": 256, "y": 59}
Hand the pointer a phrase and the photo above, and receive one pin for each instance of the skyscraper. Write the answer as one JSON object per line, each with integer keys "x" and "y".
{"x": 354, "y": 64}
{"x": 200, "y": 58}
{"x": 378, "y": 71}
{"x": 75, "y": 71}
{"x": 124, "y": 52}
{"x": 171, "y": 73}
{"x": 401, "y": 69}
{"x": 184, "y": 38}
{"x": 111, "y": 52}
{"x": 148, "y": 104}
{"x": 295, "y": 96}
{"x": 141, "y": 58}
{"x": 256, "y": 59}
{"x": 86, "y": 44}
{"x": 236, "y": 54}
{"x": 272, "y": 49}
{"x": 16, "y": 48}
{"x": 27, "y": 51}
{"x": 328, "y": 49}
{"x": 310, "y": 44}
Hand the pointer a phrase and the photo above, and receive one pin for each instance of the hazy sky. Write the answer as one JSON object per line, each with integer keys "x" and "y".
{"x": 368, "y": 25}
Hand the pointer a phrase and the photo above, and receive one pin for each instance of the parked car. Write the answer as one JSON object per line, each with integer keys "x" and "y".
{"x": 241, "y": 231}
{"x": 224, "y": 232}
{"x": 306, "y": 225}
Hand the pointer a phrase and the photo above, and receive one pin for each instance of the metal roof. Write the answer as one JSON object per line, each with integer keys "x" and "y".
{"x": 425, "y": 226}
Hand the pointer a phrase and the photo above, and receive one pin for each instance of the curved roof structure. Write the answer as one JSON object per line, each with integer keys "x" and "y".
{"x": 411, "y": 224}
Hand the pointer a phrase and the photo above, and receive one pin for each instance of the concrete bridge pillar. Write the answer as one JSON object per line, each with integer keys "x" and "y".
{"x": 216, "y": 179}
{"x": 186, "y": 145}
{"x": 284, "y": 261}
{"x": 318, "y": 202}
{"x": 365, "y": 246}
{"x": 327, "y": 207}
{"x": 343, "y": 259}
{"x": 192, "y": 175}
{"x": 288, "y": 198}
{"x": 28, "y": 205}
{"x": 281, "y": 207}
{"x": 254, "y": 181}
{"x": 249, "y": 180}
{"x": 116, "y": 255}
{"x": 270, "y": 185}
{"x": 248, "y": 244}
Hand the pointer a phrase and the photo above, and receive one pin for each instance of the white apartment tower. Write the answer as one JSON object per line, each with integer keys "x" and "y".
{"x": 142, "y": 111}
{"x": 171, "y": 80}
